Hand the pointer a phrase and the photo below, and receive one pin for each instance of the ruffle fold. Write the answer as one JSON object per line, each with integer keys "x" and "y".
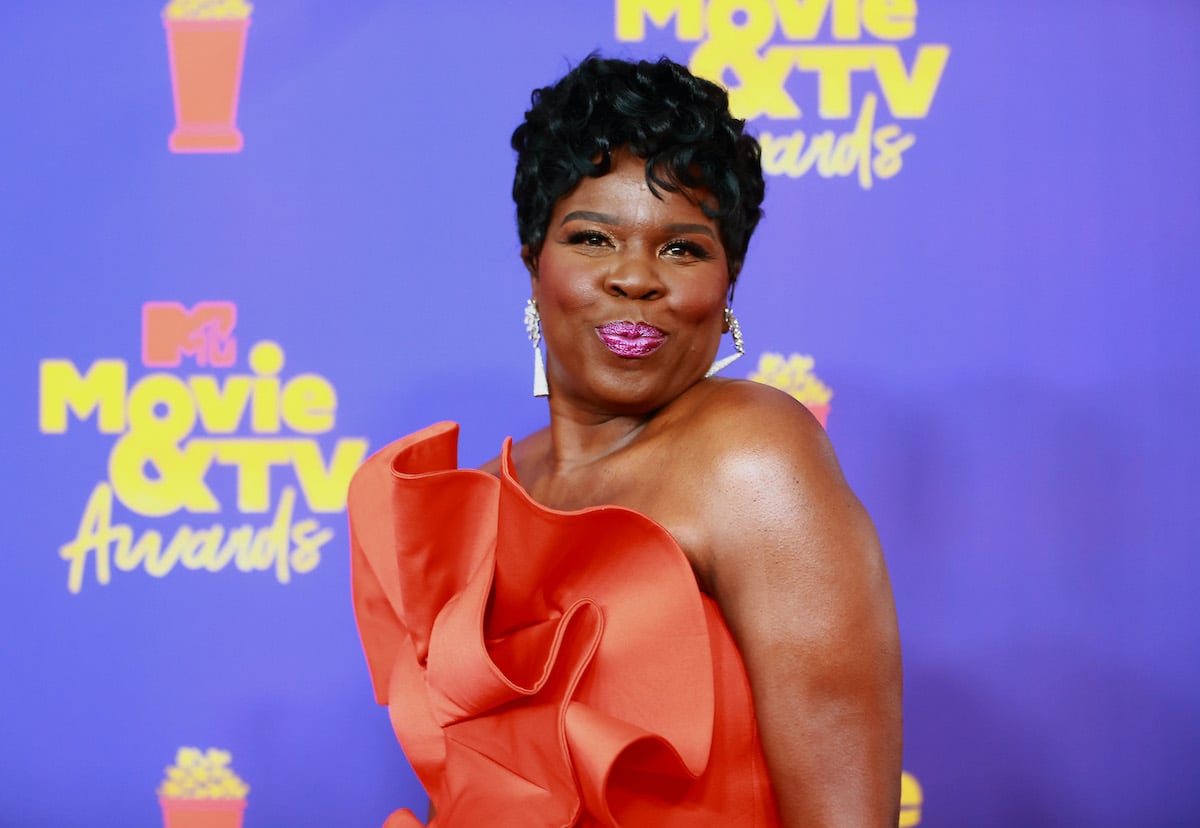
{"x": 541, "y": 667}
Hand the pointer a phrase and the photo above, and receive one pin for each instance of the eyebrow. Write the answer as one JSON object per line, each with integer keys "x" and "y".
{"x": 588, "y": 215}
{"x": 702, "y": 229}
{"x": 605, "y": 218}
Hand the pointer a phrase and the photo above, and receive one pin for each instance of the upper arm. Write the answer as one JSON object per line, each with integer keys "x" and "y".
{"x": 794, "y": 563}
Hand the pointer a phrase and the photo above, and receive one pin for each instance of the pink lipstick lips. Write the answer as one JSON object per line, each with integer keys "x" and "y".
{"x": 631, "y": 340}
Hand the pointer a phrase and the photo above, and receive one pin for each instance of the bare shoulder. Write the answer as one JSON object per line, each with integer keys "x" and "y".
{"x": 773, "y": 485}
{"x": 492, "y": 466}
{"x": 741, "y": 422}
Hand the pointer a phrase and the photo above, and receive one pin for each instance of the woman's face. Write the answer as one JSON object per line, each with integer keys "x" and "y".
{"x": 631, "y": 290}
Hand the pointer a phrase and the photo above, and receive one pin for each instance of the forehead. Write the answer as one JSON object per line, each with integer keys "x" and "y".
{"x": 624, "y": 193}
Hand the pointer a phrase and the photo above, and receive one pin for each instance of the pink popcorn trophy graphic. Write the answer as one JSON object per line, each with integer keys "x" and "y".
{"x": 206, "y": 42}
{"x": 201, "y": 791}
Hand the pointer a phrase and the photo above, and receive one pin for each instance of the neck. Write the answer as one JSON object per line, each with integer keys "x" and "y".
{"x": 578, "y": 438}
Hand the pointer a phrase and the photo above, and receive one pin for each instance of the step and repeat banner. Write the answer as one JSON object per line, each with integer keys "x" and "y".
{"x": 243, "y": 246}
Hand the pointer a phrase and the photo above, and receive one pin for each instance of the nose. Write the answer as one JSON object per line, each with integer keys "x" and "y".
{"x": 634, "y": 277}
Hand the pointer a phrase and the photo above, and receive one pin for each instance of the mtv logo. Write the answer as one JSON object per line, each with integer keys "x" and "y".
{"x": 205, "y": 333}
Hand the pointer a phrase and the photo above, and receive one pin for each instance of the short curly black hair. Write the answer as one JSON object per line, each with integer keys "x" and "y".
{"x": 679, "y": 123}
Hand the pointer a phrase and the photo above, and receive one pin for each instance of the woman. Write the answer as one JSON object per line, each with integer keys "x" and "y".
{"x": 667, "y": 607}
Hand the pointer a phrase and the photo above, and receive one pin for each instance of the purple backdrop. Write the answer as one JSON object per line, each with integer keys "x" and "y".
{"x": 982, "y": 226}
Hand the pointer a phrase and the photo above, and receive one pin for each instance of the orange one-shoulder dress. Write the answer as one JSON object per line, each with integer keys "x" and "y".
{"x": 545, "y": 668}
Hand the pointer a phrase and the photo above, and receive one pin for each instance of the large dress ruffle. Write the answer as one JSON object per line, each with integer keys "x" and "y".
{"x": 545, "y": 668}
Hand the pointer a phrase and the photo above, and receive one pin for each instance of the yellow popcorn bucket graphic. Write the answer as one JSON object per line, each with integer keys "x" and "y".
{"x": 206, "y": 42}
{"x": 201, "y": 791}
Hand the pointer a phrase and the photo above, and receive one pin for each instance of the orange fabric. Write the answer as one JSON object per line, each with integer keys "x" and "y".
{"x": 545, "y": 668}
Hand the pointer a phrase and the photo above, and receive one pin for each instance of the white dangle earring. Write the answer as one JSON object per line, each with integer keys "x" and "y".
{"x": 533, "y": 326}
{"x": 739, "y": 346}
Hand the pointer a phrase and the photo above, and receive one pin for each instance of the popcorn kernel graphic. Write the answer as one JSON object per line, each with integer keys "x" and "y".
{"x": 795, "y": 376}
{"x": 207, "y": 10}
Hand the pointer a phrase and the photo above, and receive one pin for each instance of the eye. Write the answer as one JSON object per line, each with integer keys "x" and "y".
{"x": 588, "y": 238}
{"x": 683, "y": 248}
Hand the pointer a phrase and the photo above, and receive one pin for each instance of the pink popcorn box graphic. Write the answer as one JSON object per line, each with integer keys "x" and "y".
{"x": 820, "y": 411}
{"x": 202, "y": 813}
{"x": 206, "y": 78}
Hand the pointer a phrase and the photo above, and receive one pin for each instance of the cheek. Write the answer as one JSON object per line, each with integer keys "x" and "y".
{"x": 560, "y": 289}
{"x": 562, "y": 310}
{"x": 702, "y": 303}
{"x": 568, "y": 296}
